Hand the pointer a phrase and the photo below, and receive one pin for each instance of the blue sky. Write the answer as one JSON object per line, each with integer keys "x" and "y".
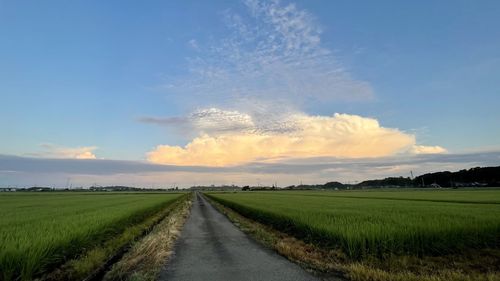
{"x": 128, "y": 80}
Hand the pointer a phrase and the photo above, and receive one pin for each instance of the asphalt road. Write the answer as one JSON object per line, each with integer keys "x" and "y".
{"x": 210, "y": 247}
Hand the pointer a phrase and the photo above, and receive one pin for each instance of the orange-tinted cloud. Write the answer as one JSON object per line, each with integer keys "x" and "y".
{"x": 340, "y": 135}
{"x": 55, "y": 151}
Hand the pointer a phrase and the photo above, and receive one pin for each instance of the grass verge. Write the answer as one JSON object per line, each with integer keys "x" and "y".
{"x": 91, "y": 264}
{"x": 334, "y": 264}
{"x": 146, "y": 258}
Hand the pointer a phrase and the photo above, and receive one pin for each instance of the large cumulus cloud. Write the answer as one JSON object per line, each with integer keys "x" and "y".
{"x": 340, "y": 135}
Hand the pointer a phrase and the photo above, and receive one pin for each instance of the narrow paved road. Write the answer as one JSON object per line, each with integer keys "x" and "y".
{"x": 212, "y": 248}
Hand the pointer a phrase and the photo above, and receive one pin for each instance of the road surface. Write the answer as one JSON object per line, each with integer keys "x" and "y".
{"x": 210, "y": 247}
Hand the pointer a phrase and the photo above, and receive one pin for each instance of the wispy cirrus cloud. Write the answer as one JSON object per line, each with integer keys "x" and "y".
{"x": 216, "y": 121}
{"x": 207, "y": 121}
{"x": 273, "y": 52}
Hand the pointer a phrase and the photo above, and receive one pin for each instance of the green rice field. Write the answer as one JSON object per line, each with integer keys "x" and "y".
{"x": 378, "y": 223}
{"x": 41, "y": 230}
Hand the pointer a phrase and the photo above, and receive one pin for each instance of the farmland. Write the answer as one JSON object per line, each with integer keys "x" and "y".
{"x": 39, "y": 231}
{"x": 378, "y": 223}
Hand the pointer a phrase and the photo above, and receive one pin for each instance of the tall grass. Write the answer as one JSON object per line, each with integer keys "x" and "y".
{"x": 366, "y": 226}
{"x": 41, "y": 230}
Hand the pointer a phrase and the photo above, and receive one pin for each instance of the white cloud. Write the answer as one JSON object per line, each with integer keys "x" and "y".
{"x": 422, "y": 149}
{"x": 256, "y": 80}
{"x": 217, "y": 120}
{"x": 193, "y": 44}
{"x": 340, "y": 135}
{"x": 274, "y": 54}
{"x": 55, "y": 151}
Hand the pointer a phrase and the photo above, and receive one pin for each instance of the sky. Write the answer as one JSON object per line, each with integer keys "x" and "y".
{"x": 181, "y": 93}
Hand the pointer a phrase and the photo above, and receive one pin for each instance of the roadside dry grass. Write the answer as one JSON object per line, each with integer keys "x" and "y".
{"x": 95, "y": 259}
{"x": 333, "y": 264}
{"x": 146, "y": 258}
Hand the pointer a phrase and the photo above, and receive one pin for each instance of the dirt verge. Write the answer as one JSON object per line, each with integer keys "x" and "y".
{"x": 146, "y": 258}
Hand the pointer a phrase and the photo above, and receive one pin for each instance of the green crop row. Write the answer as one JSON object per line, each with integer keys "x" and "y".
{"x": 365, "y": 226}
{"x": 41, "y": 230}
{"x": 480, "y": 196}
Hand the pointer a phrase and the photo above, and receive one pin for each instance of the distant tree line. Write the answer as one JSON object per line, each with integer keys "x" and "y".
{"x": 487, "y": 176}
{"x": 474, "y": 177}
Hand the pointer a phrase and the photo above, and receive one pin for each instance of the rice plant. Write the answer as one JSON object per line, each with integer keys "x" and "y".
{"x": 41, "y": 230}
{"x": 378, "y": 223}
